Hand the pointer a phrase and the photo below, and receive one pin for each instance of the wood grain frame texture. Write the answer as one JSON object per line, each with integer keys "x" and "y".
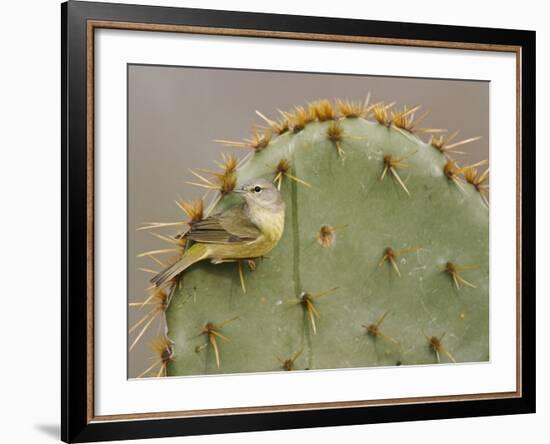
{"x": 79, "y": 22}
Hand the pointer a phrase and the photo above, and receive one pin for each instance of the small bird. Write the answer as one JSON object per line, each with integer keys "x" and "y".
{"x": 247, "y": 231}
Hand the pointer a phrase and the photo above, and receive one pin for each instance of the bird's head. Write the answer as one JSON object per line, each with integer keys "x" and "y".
{"x": 260, "y": 192}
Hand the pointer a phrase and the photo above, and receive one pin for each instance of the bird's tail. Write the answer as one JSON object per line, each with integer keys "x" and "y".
{"x": 196, "y": 253}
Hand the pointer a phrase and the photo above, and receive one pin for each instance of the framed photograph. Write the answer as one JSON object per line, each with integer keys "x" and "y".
{"x": 277, "y": 221}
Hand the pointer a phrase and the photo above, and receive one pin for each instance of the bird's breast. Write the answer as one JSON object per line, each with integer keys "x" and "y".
{"x": 270, "y": 223}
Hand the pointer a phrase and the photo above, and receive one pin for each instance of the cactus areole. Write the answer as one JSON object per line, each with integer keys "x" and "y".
{"x": 384, "y": 259}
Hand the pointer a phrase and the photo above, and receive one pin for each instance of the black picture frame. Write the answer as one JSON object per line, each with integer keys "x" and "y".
{"x": 77, "y": 424}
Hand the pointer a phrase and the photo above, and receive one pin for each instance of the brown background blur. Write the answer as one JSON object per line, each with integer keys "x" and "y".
{"x": 174, "y": 113}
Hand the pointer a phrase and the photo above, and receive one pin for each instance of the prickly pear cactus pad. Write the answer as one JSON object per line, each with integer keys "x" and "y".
{"x": 384, "y": 258}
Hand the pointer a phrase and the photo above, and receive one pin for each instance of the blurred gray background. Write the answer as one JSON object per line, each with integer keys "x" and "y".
{"x": 174, "y": 113}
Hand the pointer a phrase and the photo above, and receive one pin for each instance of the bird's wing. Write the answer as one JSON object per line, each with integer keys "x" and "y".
{"x": 231, "y": 226}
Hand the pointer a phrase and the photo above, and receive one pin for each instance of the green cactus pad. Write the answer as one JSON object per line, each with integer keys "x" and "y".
{"x": 383, "y": 261}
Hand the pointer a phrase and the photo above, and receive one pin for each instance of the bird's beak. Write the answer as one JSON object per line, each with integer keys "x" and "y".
{"x": 239, "y": 190}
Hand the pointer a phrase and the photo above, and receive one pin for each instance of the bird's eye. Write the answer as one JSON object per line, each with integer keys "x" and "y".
{"x": 257, "y": 188}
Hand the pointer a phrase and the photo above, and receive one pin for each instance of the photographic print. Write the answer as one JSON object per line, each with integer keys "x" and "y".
{"x": 299, "y": 221}
{"x": 255, "y": 201}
